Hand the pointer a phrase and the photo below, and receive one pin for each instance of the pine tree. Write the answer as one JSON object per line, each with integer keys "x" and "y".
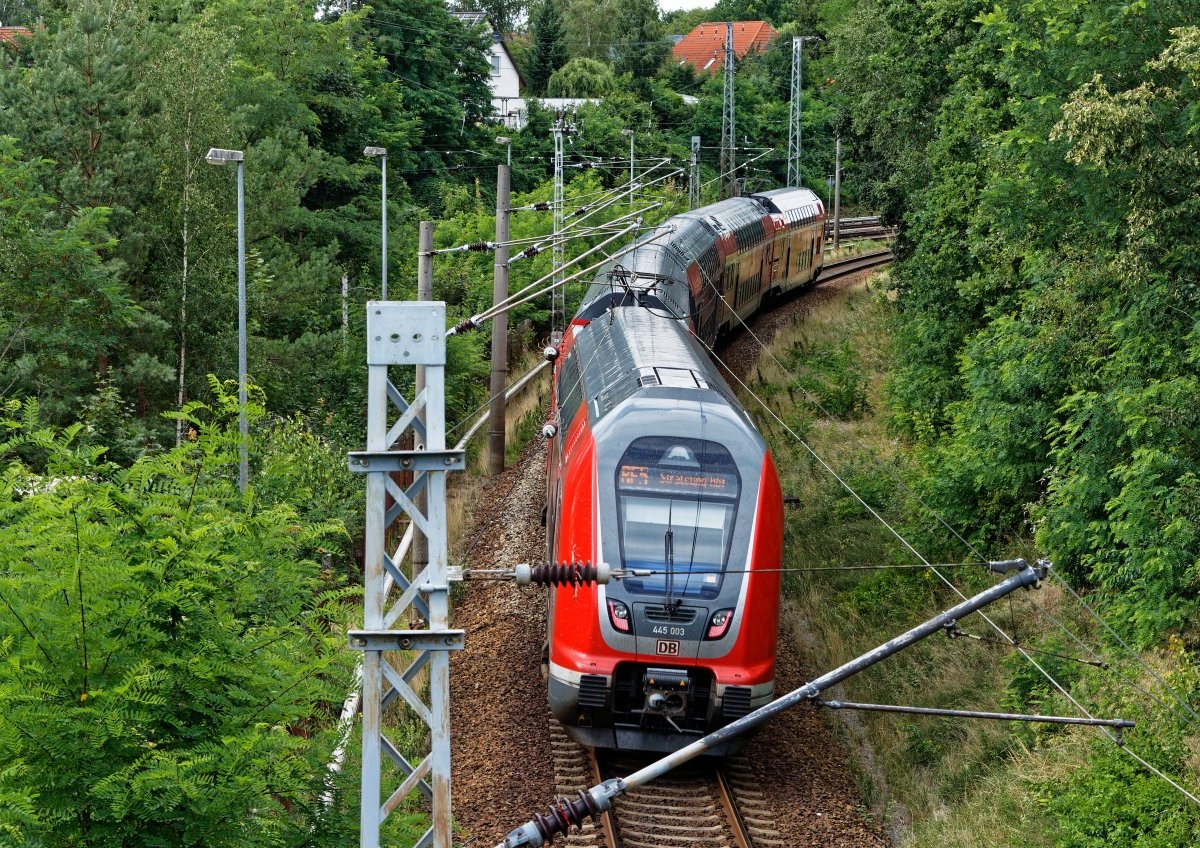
{"x": 549, "y": 52}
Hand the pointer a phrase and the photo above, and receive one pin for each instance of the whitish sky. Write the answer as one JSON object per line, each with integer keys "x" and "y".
{"x": 672, "y": 5}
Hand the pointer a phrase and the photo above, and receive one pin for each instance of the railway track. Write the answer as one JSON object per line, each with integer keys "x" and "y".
{"x": 791, "y": 789}
{"x": 707, "y": 804}
{"x": 854, "y": 264}
{"x": 860, "y": 229}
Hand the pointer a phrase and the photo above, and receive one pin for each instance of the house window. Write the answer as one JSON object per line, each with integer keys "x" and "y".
{"x": 495, "y": 65}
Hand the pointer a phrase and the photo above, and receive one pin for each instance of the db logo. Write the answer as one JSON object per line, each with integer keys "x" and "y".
{"x": 667, "y": 648}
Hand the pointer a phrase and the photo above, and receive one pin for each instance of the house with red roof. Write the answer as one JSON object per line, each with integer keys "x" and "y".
{"x": 704, "y": 46}
{"x": 10, "y": 34}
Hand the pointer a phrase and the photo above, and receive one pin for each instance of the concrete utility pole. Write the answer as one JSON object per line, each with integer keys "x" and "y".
{"x": 728, "y": 135}
{"x": 499, "y": 326}
{"x": 405, "y": 334}
{"x": 558, "y": 297}
{"x": 837, "y": 194}
{"x": 420, "y": 548}
{"x": 694, "y": 175}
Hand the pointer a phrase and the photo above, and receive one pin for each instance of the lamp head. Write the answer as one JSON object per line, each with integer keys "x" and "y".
{"x": 218, "y": 156}
{"x": 503, "y": 139}
{"x": 374, "y": 151}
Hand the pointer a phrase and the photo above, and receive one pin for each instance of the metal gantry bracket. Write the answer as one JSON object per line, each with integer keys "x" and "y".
{"x": 406, "y": 334}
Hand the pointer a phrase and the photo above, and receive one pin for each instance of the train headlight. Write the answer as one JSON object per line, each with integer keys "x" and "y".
{"x": 718, "y": 625}
{"x": 618, "y": 614}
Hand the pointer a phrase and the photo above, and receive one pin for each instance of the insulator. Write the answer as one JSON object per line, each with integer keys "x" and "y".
{"x": 562, "y": 574}
{"x": 480, "y": 246}
{"x": 532, "y": 250}
{"x": 462, "y": 327}
{"x": 543, "y": 206}
{"x": 579, "y": 211}
{"x": 564, "y": 813}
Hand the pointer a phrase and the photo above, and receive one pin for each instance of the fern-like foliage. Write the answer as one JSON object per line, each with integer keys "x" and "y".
{"x": 168, "y": 648}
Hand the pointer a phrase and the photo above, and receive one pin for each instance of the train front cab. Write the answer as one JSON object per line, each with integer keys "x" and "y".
{"x": 686, "y": 642}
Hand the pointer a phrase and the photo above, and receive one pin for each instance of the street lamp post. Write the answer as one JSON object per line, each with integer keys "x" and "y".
{"x": 217, "y": 156}
{"x": 507, "y": 142}
{"x": 630, "y": 134}
{"x": 381, "y": 153}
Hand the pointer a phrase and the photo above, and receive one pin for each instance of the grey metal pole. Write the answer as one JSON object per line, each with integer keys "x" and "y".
{"x": 383, "y": 224}
{"x": 499, "y": 326}
{"x": 599, "y": 798}
{"x": 420, "y": 548}
{"x": 837, "y": 194}
{"x": 694, "y": 175}
{"x": 631, "y": 135}
{"x": 243, "y": 423}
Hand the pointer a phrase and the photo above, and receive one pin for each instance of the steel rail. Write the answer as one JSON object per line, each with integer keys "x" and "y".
{"x": 707, "y": 789}
{"x": 741, "y": 834}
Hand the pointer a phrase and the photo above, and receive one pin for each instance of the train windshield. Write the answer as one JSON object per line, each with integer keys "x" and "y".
{"x": 677, "y": 500}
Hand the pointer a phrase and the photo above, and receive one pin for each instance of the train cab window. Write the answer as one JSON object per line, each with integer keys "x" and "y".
{"x": 677, "y": 500}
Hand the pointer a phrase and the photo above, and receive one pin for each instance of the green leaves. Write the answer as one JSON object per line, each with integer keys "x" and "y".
{"x": 166, "y": 656}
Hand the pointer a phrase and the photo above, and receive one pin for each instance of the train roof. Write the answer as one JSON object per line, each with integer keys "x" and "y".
{"x": 797, "y": 206}
{"x": 631, "y": 348}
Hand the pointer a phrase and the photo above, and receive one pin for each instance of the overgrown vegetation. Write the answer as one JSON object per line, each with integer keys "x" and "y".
{"x": 150, "y": 688}
{"x": 938, "y": 782}
{"x": 1040, "y": 351}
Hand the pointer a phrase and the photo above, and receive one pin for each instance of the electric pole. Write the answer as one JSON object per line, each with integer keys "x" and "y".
{"x": 694, "y": 175}
{"x": 405, "y": 334}
{"x": 420, "y": 549}
{"x": 499, "y": 326}
{"x": 837, "y": 194}
{"x": 728, "y": 142}
{"x": 558, "y": 297}
{"x": 795, "y": 108}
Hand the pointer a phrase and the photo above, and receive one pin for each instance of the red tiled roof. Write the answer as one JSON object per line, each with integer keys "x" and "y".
{"x": 704, "y": 46}
{"x": 9, "y": 35}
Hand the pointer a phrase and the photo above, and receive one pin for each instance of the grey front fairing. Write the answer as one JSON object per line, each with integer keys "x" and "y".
{"x": 699, "y": 414}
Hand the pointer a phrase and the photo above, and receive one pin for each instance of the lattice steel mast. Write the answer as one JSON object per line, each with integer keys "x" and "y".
{"x": 793, "y": 168}
{"x": 795, "y": 109}
{"x": 409, "y": 334}
{"x": 728, "y": 143}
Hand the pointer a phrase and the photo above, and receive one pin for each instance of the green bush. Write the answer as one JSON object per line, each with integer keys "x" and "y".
{"x": 169, "y": 653}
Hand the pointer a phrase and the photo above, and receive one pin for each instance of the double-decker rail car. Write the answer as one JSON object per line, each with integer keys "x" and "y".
{"x": 655, "y": 468}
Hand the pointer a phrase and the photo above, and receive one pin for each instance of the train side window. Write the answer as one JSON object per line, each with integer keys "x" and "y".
{"x": 570, "y": 392}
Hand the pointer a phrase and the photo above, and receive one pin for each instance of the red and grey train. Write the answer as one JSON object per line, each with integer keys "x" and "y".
{"x": 655, "y": 469}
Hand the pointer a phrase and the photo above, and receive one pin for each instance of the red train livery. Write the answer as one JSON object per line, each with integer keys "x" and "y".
{"x": 655, "y": 468}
